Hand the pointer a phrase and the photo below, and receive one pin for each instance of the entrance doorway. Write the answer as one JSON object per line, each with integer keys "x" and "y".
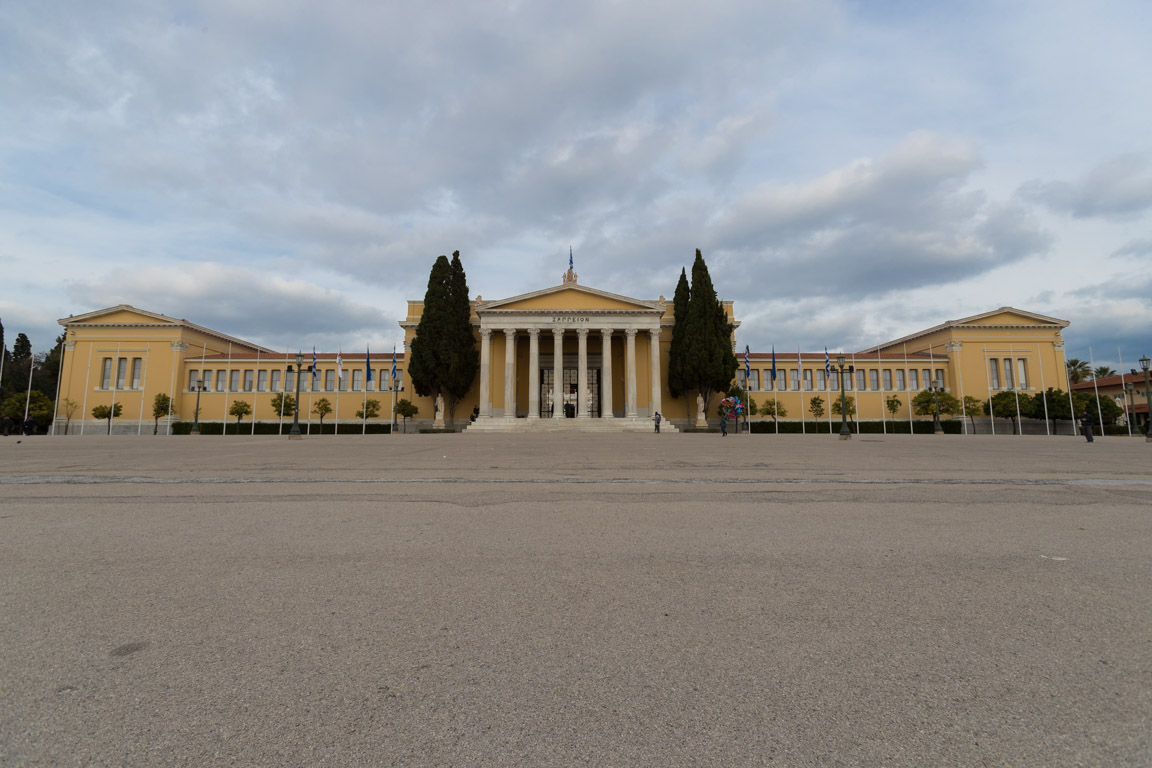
{"x": 570, "y": 387}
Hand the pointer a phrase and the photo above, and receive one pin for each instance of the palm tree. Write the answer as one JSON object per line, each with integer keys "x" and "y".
{"x": 1078, "y": 370}
{"x": 1103, "y": 372}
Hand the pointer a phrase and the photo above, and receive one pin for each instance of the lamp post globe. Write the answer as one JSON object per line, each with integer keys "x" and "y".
{"x": 1144, "y": 364}
{"x": 845, "y": 434}
{"x": 295, "y": 433}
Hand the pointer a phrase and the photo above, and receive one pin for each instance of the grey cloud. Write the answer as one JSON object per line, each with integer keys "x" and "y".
{"x": 1119, "y": 188}
{"x": 1138, "y": 249}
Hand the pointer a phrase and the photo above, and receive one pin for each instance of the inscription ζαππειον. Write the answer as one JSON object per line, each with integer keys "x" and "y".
{"x": 562, "y": 319}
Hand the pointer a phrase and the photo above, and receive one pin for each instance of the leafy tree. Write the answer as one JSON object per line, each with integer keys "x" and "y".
{"x": 816, "y": 407}
{"x": 21, "y": 349}
{"x": 1003, "y": 404}
{"x": 161, "y": 404}
{"x": 1103, "y": 372}
{"x": 241, "y": 408}
{"x": 68, "y": 408}
{"x": 1078, "y": 370}
{"x": 284, "y": 404}
{"x": 39, "y": 406}
{"x": 107, "y": 412}
{"x": 406, "y": 410}
{"x": 924, "y": 404}
{"x": 372, "y": 407}
{"x": 892, "y": 403}
{"x": 677, "y": 386}
{"x": 322, "y": 408}
{"x": 849, "y": 406}
{"x": 774, "y": 409}
{"x": 972, "y": 406}
{"x": 444, "y": 358}
{"x": 709, "y": 362}
{"x": 1100, "y": 407}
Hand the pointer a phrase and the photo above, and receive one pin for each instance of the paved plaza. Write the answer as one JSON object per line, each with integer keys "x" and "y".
{"x": 570, "y": 600}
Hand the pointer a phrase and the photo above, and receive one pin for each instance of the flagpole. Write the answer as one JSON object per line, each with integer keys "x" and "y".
{"x": 28, "y": 397}
{"x": 171, "y": 391}
{"x": 1043, "y": 392}
{"x": 960, "y": 379}
{"x": 367, "y": 381}
{"x": 339, "y": 385}
{"x": 60, "y": 372}
{"x": 855, "y": 400}
{"x": 775, "y": 390}
{"x": 908, "y": 389}
{"x": 115, "y": 383}
{"x": 255, "y": 391}
{"x": 143, "y": 389}
{"x": 883, "y": 401}
{"x": 1072, "y": 405}
{"x": 828, "y": 385}
{"x": 1096, "y": 389}
{"x": 800, "y": 385}
{"x": 284, "y": 392}
{"x": 988, "y": 376}
{"x": 87, "y": 374}
{"x": 932, "y": 363}
{"x": 1016, "y": 389}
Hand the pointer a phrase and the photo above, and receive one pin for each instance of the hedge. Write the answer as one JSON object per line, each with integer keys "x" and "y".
{"x": 766, "y": 426}
{"x": 274, "y": 428}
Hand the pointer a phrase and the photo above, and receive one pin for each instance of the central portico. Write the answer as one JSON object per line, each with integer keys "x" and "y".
{"x": 569, "y": 357}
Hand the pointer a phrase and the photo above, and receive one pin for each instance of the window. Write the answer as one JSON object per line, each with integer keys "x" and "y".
{"x": 1022, "y": 369}
{"x": 1008, "y": 374}
{"x": 900, "y": 382}
{"x": 248, "y": 381}
{"x": 274, "y": 385}
{"x": 343, "y": 380}
{"x": 121, "y": 372}
{"x": 234, "y": 385}
{"x": 927, "y": 378}
{"x": 796, "y": 379}
{"x": 821, "y": 384}
{"x": 834, "y": 379}
{"x": 357, "y": 380}
{"x": 861, "y": 382}
{"x": 106, "y": 374}
{"x": 740, "y": 379}
{"x": 808, "y": 380}
{"x": 887, "y": 378}
{"x": 262, "y": 380}
{"x": 329, "y": 380}
{"x": 873, "y": 379}
{"x": 994, "y": 373}
{"x": 289, "y": 380}
{"x": 940, "y": 377}
{"x": 754, "y": 382}
{"x": 221, "y": 380}
{"x": 137, "y": 365}
{"x": 193, "y": 380}
{"x": 914, "y": 379}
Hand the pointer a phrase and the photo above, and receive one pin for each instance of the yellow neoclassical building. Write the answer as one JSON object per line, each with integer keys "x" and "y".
{"x": 561, "y": 358}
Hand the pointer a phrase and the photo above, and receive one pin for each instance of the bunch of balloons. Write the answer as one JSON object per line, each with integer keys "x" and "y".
{"x": 731, "y": 407}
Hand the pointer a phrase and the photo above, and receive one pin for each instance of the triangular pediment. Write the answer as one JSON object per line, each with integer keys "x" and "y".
{"x": 1010, "y": 316}
{"x": 570, "y": 298}
{"x": 123, "y": 314}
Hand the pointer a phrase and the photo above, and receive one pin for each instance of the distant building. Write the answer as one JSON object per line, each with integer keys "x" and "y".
{"x": 1127, "y": 390}
{"x": 564, "y": 357}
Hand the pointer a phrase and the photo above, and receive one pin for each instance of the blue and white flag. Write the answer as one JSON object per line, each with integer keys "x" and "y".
{"x": 827, "y": 363}
{"x": 368, "y": 363}
{"x": 747, "y": 368}
{"x": 569, "y": 257}
{"x": 393, "y": 364}
{"x": 315, "y": 372}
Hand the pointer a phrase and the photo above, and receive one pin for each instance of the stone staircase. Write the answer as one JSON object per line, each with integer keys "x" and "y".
{"x": 500, "y": 424}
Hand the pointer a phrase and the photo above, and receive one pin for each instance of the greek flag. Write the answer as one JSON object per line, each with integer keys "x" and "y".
{"x": 315, "y": 372}
{"x": 827, "y": 364}
{"x": 393, "y": 365}
{"x": 747, "y": 368}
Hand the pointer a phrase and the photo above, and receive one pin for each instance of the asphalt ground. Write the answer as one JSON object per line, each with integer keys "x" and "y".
{"x": 570, "y": 600}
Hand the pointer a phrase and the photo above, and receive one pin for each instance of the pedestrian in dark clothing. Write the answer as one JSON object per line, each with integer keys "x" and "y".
{"x": 724, "y": 425}
{"x": 1086, "y": 423}
{"x": 656, "y": 419}
{"x": 8, "y": 424}
{"x": 30, "y": 426}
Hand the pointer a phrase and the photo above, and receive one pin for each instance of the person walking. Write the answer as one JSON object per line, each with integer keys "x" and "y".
{"x": 724, "y": 425}
{"x": 8, "y": 424}
{"x": 1086, "y": 424}
{"x": 656, "y": 419}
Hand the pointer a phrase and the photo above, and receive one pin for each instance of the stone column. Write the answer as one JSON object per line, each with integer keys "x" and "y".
{"x": 630, "y": 367}
{"x": 557, "y": 373}
{"x": 485, "y": 372}
{"x": 582, "y": 403}
{"x": 509, "y": 373}
{"x": 654, "y": 342}
{"x": 606, "y": 375}
{"x": 533, "y": 374}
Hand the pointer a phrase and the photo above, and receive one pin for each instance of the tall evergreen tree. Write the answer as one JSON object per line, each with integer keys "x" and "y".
{"x": 709, "y": 360}
{"x": 21, "y": 348}
{"x": 463, "y": 357}
{"x": 676, "y": 384}
{"x": 444, "y": 356}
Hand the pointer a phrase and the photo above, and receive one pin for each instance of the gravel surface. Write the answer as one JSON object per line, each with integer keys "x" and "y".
{"x": 566, "y": 600}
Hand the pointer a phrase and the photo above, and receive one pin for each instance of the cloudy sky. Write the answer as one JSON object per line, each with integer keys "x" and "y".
{"x": 287, "y": 171}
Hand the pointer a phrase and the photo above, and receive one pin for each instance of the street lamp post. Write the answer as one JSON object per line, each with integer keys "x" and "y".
{"x": 845, "y": 434}
{"x": 1144, "y": 362}
{"x": 936, "y": 390}
{"x": 295, "y": 433}
{"x": 200, "y": 387}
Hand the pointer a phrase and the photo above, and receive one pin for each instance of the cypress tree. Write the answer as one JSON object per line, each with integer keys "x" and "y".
{"x": 463, "y": 359}
{"x": 709, "y": 362}
{"x": 427, "y": 366}
{"x": 676, "y": 385}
